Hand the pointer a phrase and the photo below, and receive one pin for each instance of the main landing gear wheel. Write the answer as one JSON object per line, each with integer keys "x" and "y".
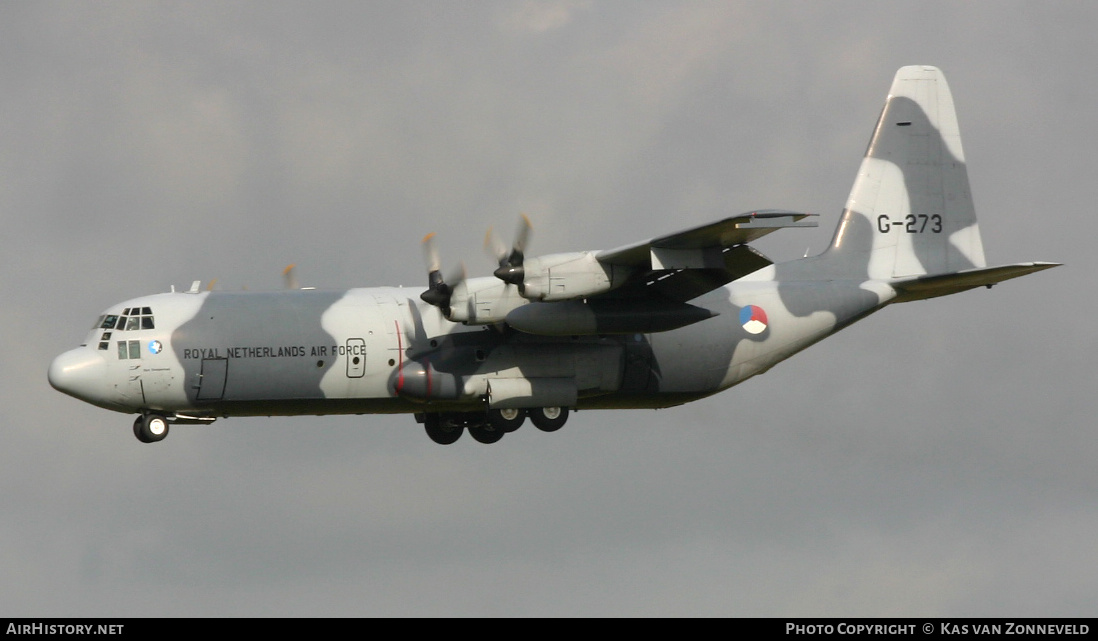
{"x": 150, "y": 428}
{"x": 444, "y": 431}
{"x": 486, "y": 433}
{"x": 548, "y": 419}
{"x": 507, "y": 420}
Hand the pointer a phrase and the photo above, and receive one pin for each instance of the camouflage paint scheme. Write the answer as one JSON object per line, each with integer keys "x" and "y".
{"x": 908, "y": 232}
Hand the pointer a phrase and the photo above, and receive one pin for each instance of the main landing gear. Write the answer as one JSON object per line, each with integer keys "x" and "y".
{"x": 150, "y": 428}
{"x": 445, "y": 428}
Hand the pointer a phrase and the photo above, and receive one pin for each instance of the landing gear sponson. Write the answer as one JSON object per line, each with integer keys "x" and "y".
{"x": 445, "y": 428}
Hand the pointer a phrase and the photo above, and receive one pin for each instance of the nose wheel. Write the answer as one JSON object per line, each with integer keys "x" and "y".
{"x": 150, "y": 428}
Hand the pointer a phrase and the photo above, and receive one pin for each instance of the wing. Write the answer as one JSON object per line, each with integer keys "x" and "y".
{"x": 643, "y": 287}
{"x": 737, "y": 230}
{"x": 689, "y": 263}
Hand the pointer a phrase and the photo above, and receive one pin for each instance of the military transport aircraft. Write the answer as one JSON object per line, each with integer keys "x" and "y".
{"x": 653, "y": 324}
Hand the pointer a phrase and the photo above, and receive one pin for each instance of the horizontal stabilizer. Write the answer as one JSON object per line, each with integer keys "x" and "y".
{"x": 941, "y": 285}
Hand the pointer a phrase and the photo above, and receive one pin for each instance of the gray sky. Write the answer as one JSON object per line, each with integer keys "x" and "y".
{"x": 936, "y": 459}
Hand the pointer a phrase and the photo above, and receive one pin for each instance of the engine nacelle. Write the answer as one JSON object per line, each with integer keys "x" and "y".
{"x": 559, "y": 277}
{"x": 556, "y": 277}
{"x": 480, "y": 301}
{"x": 420, "y": 381}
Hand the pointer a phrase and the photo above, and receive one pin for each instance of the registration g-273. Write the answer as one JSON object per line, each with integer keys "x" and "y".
{"x": 911, "y": 223}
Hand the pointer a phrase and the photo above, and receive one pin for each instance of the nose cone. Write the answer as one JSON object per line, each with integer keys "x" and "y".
{"x": 81, "y": 373}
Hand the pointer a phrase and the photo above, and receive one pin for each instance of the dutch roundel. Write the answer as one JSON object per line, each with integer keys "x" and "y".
{"x": 753, "y": 319}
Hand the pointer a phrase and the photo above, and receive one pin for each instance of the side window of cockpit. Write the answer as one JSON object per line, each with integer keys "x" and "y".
{"x": 129, "y": 350}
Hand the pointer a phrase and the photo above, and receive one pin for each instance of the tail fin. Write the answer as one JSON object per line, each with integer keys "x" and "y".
{"x": 910, "y": 211}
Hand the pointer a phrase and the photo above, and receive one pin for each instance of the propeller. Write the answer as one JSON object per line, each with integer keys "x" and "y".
{"x": 438, "y": 291}
{"x": 510, "y": 262}
{"x": 289, "y": 279}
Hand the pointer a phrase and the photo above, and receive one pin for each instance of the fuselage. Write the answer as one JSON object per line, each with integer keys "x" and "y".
{"x": 382, "y": 350}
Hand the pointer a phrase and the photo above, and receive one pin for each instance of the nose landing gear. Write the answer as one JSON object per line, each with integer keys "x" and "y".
{"x": 150, "y": 428}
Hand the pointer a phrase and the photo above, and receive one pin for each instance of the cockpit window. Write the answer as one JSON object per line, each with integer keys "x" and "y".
{"x": 132, "y": 319}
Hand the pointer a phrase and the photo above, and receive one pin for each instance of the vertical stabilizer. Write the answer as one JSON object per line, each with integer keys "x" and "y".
{"x": 910, "y": 211}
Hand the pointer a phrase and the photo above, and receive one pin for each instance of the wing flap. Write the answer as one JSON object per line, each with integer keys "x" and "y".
{"x": 686, "y": 284}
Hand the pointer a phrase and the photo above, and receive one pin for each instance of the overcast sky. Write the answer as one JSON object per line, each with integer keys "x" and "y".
{"x": 937, "y": 459}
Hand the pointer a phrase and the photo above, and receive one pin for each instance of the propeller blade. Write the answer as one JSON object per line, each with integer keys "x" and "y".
{"x": 439, "y": 289}
{"x": 521, "y": 238}
{"x": 510, "y": 264}
{"x": 430, "y": 253}
{"x": 457, "y": 276}
{"x": 495, "y": 247}
{"x": 289, "y": 278}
